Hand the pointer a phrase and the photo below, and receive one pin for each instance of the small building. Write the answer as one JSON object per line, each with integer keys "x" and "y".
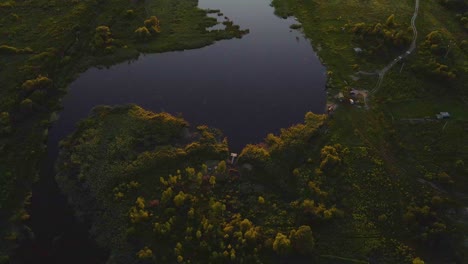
{"x": 233, "y": 157}
{"x": 340, "y": 96}
{"x": 353, "y": 92}
{"x": 357, "y": 50}
{"x": 443, "y": 115}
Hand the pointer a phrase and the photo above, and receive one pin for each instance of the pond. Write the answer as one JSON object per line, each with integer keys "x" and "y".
{"x": 246, "y": 87}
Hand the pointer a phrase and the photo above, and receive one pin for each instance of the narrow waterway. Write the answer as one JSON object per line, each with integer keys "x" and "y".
{"x": 246, "y": 87}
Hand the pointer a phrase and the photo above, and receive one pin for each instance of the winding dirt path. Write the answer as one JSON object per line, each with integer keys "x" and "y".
{"x": 412, "y": 47}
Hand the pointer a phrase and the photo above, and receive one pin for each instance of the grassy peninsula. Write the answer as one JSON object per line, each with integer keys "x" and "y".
{"x": 156, "y": 190}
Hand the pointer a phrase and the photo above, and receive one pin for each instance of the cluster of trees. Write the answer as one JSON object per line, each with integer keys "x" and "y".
{"x": 34, "y": 91}
{"x": 381, "y": 37}
{"x": 9, "y": 50}
{"x": 273, "y": 157}
{"x": 200, "y": 224}
{"x": 102, "y": 40}
{"x": 152, "y": 27}
{"x": 426, "y": 223}
{"x": 435, "y": 51}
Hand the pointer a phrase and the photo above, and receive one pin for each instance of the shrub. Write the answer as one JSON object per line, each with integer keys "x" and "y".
{"x": 295, "y": 26}
{"x": 5, "y": 123}
{"x": 145, "y": 253}
{"x": 102, "y": 37}
{"x": 302, "y": 240}
{"x": 130, "y": 13}
{"x": 152, "y": 24}
{"x": 41, "y": 82}
{"x": 261, "y": 200}
{"x": 5, "y": 49}
{"x": 142, "y": 33}
{"x": 26, "y": 105}
{"x": 281, "y": 245}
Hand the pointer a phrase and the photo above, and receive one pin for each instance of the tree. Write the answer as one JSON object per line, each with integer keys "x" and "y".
{"x": 261, "y": 200}
{"x": 152, "y": 24}
{"x": 40, "y": 82}
{"x": 281, "y": 245}
{"x": 390, "y": 21}
{"x": 102, "y": 37}
{"x": 145, "y": 253}
{"x": 218, "y": 208}
{"x": 5, "y": 123}
{"x": 166, "y": 195}
{"x": 302, "y": 240}
{"x": 254, "y": 154}
{"x": 245, "y": 225}
{"x": 142, "y": 33}
{"x": 212, "y": 180}
{"x": 329, "y": 156}
{"x": 26, "y": 105}
{"x": 221, "y": 168}
{"x": 179, "y": 199}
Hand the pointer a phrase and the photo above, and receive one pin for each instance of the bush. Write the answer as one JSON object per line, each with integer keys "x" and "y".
{"x": 5, "y": 49}
{"x": 41, "y": 82}
{"x": 130, "y": 13}
{"x": 152, "y": 24}
{"x": 302, "y": 240}
{"x": 102, "y": 37}
{"x": 26, "y": 105}
{"x": 5, "y": 123}
{"x": 281, "y": 245}
{"x": 9, "y": 50}
{"x": 142, "y": 33}
{"x": 295, "y": 26}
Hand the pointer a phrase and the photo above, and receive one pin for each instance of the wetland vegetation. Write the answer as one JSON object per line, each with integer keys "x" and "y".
{"x": 377, "y": 180}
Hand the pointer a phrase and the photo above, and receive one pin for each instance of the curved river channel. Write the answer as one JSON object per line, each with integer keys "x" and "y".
{"x": 246, "y": 87}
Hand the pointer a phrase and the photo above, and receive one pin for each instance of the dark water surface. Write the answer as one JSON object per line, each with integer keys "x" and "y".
{"x": 246, "y": 87}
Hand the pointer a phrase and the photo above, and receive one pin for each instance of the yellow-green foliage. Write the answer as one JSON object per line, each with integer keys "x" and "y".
{"x": 40, "y": 82}
{"x": 142, "y": 33}
{"x": 302, "y": 240}
{"x": 145, "y": 253}
{"x": 102, "y": 37}
{"x": 5, "y": 123}
{"x": 221, "y": 168}
{"x": 138, "y": 213}
{"x": 212, "y": 180}
{"x": 281, "y": 245}
{"x": 5, "y": 49}
{"x": 152, "y": 24}
{"x": 261, "y": 200}
{"x": 179, "y": 199}
{"x": 254, "y": 153}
